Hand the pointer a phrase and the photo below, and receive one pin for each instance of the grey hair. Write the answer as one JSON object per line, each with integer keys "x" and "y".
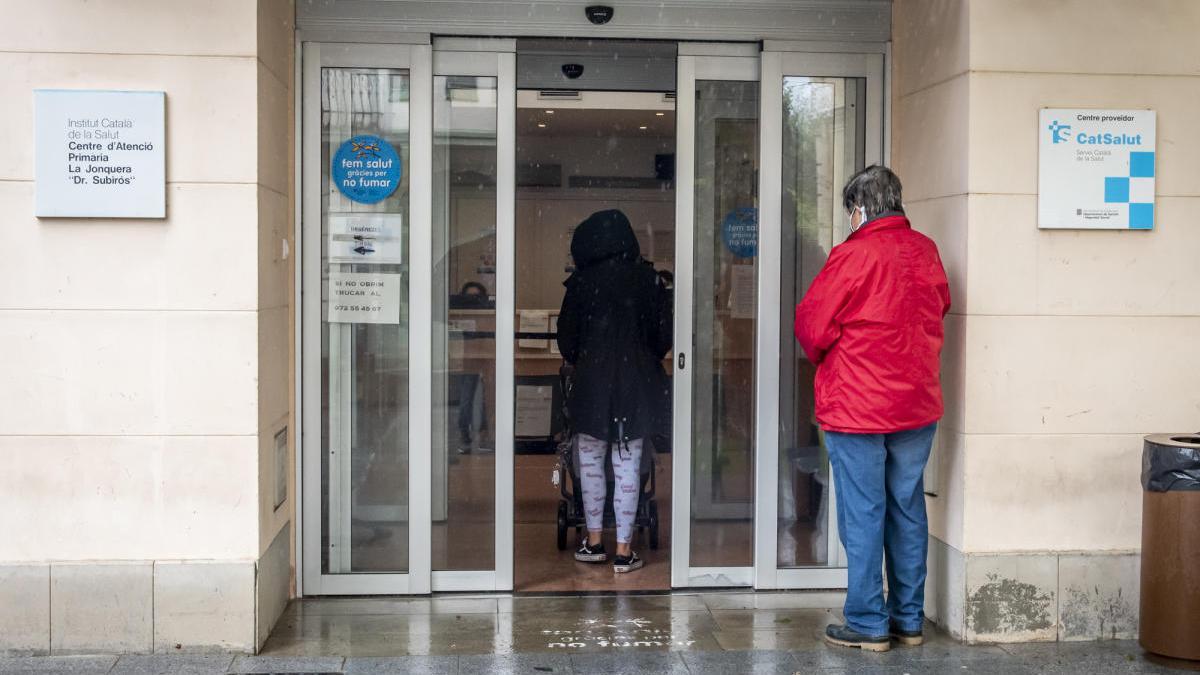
{"x": 876, "y": 189}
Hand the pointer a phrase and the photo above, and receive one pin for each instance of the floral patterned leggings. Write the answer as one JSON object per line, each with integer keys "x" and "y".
{"x": 627, "y": 464}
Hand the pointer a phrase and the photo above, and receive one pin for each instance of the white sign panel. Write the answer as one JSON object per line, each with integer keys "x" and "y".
{"x": 374, "y": 225}
{"x": 1096, "y": 169}
{"x": 100, "y": 154}
{"x": 371, "y": 238}
{"x": 363, "y": 298}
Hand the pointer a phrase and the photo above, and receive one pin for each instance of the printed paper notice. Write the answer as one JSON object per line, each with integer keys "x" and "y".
{"x": 363, "y": 298}
{"x": 371, "y": 238}
{"x": 533, "y": 411}
{"x": 741, "y": 292}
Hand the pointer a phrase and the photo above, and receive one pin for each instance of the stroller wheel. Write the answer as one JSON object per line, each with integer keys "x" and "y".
{"x": 562, "y": 526}
{"x": 653, "y": 508}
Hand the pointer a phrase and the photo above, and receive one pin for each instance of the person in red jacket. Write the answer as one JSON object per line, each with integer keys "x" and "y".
{"x": 872, "y": 324}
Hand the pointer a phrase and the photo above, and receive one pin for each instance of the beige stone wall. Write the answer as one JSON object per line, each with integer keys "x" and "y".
{"x": 930, "y": 109}
{"x": 1078, "y": 342}
{"x": 147, "y": 362}
{"x": 1064, "y": 347}
{"x": 276, "y": 309}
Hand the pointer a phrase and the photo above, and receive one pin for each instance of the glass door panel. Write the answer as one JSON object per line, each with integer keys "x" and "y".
{"x": 724, "y": 280}
{"x": 464, "y": 406}
{"x": 364, "y": 341}
{"x": 716, "y": 315}
{"x": 471, "y": 489}
{"x": 822, "y": 121}
{"x": 365, "y": 155}
{"x": 822, "y": 147}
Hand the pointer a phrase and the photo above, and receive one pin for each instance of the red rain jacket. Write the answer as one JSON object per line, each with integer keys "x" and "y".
{"x": 872, "y": 324}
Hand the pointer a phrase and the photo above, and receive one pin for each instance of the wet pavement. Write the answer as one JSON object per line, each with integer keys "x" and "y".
{"x": 610, "y": 635}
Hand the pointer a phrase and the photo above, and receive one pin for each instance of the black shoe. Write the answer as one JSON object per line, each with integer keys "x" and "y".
{"x": 626, "y": 563}
{"x": 591, "y": 554}
{"x": 843, "y": 636}
{"x": 911, "y": 638}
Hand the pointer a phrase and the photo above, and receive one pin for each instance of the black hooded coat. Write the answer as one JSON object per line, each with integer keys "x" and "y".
{"x": 615, "y": 328}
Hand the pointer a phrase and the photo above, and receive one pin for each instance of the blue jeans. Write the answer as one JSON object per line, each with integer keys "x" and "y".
{"x": 880, "y": 480}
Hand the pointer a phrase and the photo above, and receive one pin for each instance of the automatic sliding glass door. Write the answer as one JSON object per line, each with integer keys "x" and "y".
{"x": 716, "y": 315}
{"x": 473, "y": 171}
{"x": 409, "y": 311}
{"x": 822, "y": 121}
{"x": 365, "y": 281}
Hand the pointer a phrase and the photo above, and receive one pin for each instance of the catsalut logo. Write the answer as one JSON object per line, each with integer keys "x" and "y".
{"x": 1058, "y": 132}
{"x": 1061, "y": 133}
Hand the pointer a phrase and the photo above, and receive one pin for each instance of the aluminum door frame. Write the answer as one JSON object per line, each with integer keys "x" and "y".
{"x": 494, "y": 58}
{"x": 417, "y": 59}
{"x": 697, "y": 61}
{"x": 778, "y": 62}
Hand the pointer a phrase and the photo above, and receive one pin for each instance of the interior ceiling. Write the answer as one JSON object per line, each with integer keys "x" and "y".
{"x": 578, "y": 122}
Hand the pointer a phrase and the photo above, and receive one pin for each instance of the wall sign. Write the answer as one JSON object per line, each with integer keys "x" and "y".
{"x": 363, "y": 298}
{"x": 739, "y": 231}
{"x": 1096, "y": 169}
{"x": 100, "y": 154}
{"x": 366, "y": 169}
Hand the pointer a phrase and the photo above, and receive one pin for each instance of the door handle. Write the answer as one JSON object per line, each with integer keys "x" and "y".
{"x": 682, "y": 360}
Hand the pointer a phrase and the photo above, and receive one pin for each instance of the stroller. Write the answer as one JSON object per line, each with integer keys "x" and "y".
{"x": 570, "y": 506}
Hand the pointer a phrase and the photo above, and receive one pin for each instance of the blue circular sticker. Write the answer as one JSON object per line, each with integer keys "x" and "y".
{"x": 366, "y": 169}
{"x": 739, "y": 230}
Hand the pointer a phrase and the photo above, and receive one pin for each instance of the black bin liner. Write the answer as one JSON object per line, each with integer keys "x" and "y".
{"x": 1171, "y": 463}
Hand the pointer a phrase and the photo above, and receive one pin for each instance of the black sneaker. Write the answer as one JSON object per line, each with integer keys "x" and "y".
{"x": 843, "y": 636}
{"x": 591, "y": 554}
{"x": 910, "y": 638}
{"x": 626, "y": 563}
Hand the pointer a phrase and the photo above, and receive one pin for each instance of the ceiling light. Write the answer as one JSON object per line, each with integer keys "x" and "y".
{"x": 549, "y": 112}
{"x": 659, "y": 114}
{"x": 541, "y": 125}
{"x": 643, "y": 128}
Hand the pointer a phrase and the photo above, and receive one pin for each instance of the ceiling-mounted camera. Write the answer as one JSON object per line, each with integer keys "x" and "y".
{"x": 573, "y": 71}
{"x": 600, "y": 14}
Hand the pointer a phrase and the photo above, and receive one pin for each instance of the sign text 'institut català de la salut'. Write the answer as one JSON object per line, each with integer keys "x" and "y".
{"x": 100, "y": 154}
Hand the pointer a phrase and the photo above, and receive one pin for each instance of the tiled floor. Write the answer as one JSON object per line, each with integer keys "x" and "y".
{"x": 667, "y": 633}
{"x": 464, "y": 539}
{"x": 605, "y": 635}
{"x": 538, "y": 565}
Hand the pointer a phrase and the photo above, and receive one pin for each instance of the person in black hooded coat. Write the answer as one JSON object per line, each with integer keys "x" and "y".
{"x": 615, "y": 329}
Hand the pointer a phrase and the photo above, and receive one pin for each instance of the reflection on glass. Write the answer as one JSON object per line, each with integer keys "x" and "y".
{"x": 365, "y": 370}
{"x": 726, "y": 217}
{"x": 464, "y": 338}
{"x": 823, "y": 131}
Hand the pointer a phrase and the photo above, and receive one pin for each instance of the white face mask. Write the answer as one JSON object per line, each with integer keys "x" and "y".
{"x": 862, "y": 218}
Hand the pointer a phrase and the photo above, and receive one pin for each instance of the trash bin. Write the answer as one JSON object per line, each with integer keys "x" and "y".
{"x": 1170, "y": 608}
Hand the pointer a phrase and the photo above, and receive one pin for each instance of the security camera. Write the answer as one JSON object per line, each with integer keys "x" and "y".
{"x": 573, "y": 71}
{"x": 599, "y": 14}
